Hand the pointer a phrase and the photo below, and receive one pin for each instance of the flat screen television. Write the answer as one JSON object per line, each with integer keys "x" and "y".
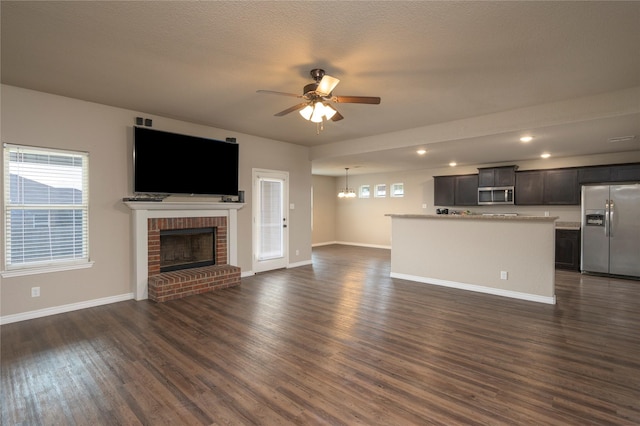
{"x": 167, "y": 163}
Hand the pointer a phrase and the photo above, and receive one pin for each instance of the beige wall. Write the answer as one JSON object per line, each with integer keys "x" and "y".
{"x": 35, "y": 118}
{"x": 324, "y": 210}
{"x": 363, "y": 221}
{"x": 470, "y": 253}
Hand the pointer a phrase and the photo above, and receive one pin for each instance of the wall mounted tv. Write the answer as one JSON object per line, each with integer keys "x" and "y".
{"x": 170, "y": 163}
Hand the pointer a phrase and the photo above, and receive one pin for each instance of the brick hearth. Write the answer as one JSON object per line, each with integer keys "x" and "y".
{"x": 165, "y": 286}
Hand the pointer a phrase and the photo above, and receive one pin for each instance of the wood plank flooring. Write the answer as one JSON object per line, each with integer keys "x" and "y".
{"x": 336, "y": 343}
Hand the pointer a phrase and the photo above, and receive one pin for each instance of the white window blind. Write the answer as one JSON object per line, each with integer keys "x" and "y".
{"x": 46, "y": 200}
{"x": 271, "y": 214}
{"x": 381, "y": 190}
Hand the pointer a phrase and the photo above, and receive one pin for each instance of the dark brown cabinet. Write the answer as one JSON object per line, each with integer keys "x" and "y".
{"x": 594, "y": 174}
{"x": 568, "y": 249}
{"x": 497, "y": 176}
{"x": 532, "y": 187}
{"x": 529, "y": 188}
{"x": 460, "y": 190}
{"x": 561, "y": 187}
{"x": 443, "y": 190}
{"x": 625, "y": 173}
{"x": 611, "y": 173}
{"x": 466, "y": 193}
{"x": 547, "y": 187}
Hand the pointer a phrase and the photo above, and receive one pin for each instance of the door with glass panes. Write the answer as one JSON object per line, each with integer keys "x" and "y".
{"x": 270, "y": 226}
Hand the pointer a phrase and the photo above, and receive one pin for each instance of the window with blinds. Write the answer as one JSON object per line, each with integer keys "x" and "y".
{"x": 46, "y": 202}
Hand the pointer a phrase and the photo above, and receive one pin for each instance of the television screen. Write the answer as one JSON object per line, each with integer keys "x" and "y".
{"x": 170, "y": 163}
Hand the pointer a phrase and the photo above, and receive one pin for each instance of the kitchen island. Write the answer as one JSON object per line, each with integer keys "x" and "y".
{"x": 510, "y": 256}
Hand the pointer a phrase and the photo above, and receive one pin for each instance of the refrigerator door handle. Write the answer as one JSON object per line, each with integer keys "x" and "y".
{"x": 611, "y": 218}
{"x": 606, "y": 218}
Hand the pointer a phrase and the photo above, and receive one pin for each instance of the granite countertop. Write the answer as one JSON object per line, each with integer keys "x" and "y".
{"x": 474, "y": 217}
{"x": 571, "y": 226}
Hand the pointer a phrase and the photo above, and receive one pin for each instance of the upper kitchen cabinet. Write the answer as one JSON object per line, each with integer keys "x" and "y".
{"x": 529, "y": 188}
{"x": 609, "y": 173}
{"x": 460, "y": 190}
{"x": 547, "y": 187}
{"x": 443, "y": 190}
{"x": 466, "y": 193}
{"x": 497, "y": 176}
{"x": 625, "y": 173}
{"x": 594, "y": 174}
{"x": 561, "y": 187}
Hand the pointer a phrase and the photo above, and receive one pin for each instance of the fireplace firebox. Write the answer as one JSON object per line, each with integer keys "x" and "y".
{"x": 187, "y": 248}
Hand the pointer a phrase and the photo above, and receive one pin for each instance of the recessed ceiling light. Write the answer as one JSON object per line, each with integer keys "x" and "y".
{"x": 453, "y": 164}
{"x": 545, "y": 155}
{"x": 526, "y": 139}
{"x": 421, "y": 151}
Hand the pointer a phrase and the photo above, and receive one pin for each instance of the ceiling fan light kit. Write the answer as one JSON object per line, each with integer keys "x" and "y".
{"x": 317, "y": 96}
{"x": 317, "y": 112}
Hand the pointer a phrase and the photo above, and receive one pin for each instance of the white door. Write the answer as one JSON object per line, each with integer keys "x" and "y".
{"x": 270, "y": 220}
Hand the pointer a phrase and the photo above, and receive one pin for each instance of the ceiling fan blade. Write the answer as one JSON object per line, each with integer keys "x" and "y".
{"x": 272, "y": 92}
{"x": 356, "y": 99}
{"x": 326, "y": 85}
{"x": 292, "y": 109}
{"x": 337, "y": 116}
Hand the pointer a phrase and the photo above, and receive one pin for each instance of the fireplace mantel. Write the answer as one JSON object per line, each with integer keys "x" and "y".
{"x": 178, "y": 205}
{"x": 144, "y": 210}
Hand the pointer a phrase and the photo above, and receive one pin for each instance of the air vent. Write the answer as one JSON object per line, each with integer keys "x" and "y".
{"x": 621, "y": 139}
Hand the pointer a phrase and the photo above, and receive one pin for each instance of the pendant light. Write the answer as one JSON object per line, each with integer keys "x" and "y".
{"x": 347, "y": 192}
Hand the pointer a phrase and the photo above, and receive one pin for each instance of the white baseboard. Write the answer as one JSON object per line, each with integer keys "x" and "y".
{"x": 346, "y": 243}
{"x": 478, "y": 288}
{"x": 297, "y": 264}
{"x": 39, "y": 313}
{"x": 245, "y": 274}
{"x": 326, "y": 243}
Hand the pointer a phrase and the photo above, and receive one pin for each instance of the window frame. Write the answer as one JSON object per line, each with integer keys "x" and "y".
{"x": 56, "y": 261}
{"x": 376, "y": 192}
{"x": 361, "y": 191}
{"x": 392, "y": 191}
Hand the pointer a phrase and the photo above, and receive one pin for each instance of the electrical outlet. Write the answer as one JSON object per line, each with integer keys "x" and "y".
{"x": 35, "y": 291}
{"x": 546, "y": 214}
{"x": 424, "y": 206}
{"x": 504, "y": 275}
{"x": 297, "y": 252}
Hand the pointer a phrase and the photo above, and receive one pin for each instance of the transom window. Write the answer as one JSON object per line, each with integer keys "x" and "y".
{"x": 365, "y": 191}
{"x": 397, "y": 190}
{"x": 381, "y": 190}
{"x": 46, "y": 202}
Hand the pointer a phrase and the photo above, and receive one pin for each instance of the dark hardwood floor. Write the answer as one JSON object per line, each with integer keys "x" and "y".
{"x": 336, "y": 343}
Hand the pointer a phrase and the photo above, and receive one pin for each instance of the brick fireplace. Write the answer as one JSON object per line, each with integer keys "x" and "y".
{"x": 151, "y": 219}
{"x": 188, "y": 281}
{"x": 187, "y": 248}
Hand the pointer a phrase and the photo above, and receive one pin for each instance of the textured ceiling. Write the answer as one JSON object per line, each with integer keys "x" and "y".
{"x": 433, "y": 64}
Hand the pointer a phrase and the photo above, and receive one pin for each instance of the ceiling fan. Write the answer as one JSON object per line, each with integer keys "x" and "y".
{"x": 318, "y": 97}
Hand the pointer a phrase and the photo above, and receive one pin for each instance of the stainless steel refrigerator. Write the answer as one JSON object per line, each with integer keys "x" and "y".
{"x": 611, "y": 229}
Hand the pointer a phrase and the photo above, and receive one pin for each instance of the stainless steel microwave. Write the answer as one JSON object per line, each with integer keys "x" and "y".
{"x": 495, "y": 195}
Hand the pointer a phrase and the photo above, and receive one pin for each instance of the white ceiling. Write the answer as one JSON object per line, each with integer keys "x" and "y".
{"x": 462, "y": 79}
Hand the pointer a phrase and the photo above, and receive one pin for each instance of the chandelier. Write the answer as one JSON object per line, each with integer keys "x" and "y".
{"x": 347, "y": 192}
